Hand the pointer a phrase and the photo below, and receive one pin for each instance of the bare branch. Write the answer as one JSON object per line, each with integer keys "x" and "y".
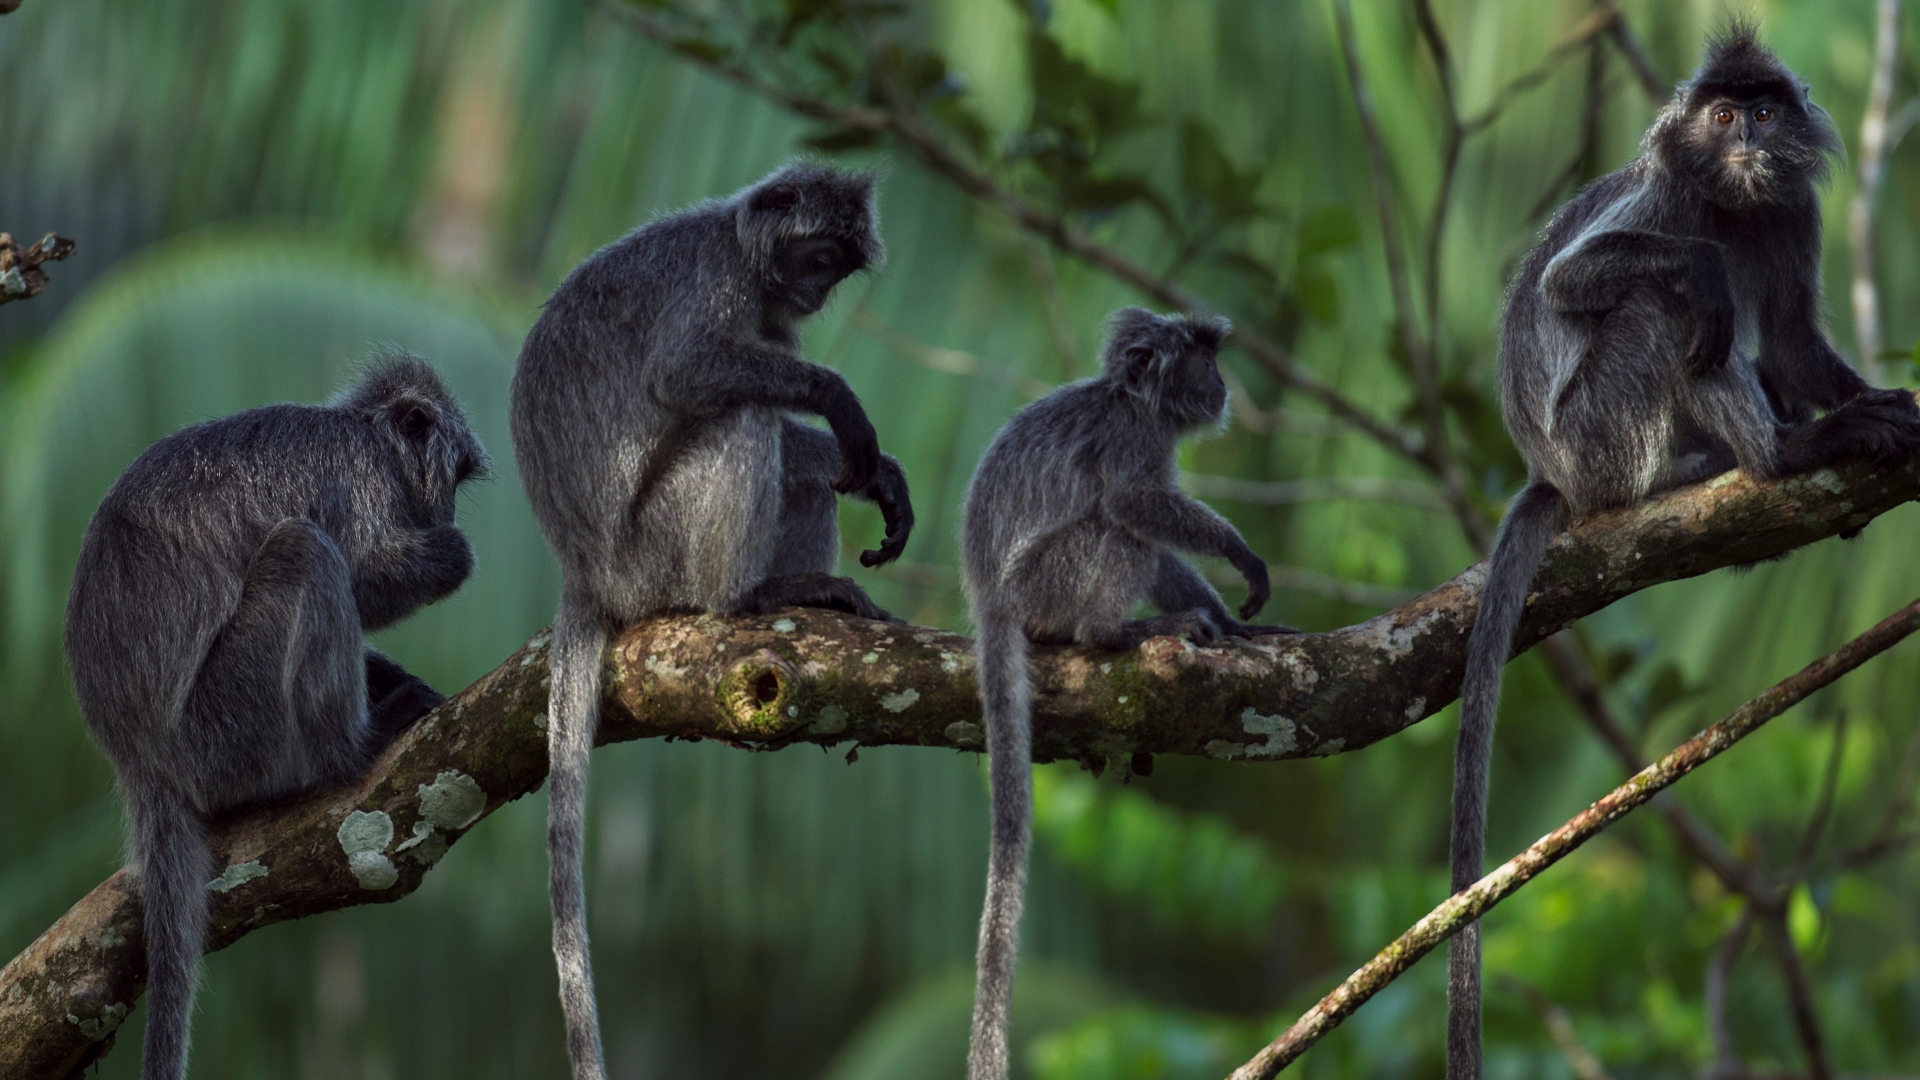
{"x": 1313, "y": 489}
{"x": 819, "y": 677}
{"x": 1866, "y": 191}
{"x": 21, "y": 277}
{"x": 1726, "y": 1062}
{"x": 933, "y": 154}
{"x": 1651, "y": 84}
{"x": 1559, "y": 1025}
{"x": 1806, "y": 1018}
{"x": 1472, "y": 903}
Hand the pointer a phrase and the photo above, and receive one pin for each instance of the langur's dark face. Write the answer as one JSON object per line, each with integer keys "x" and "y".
{"x": 447, "y": 453}
{"x": 1186, "y": 385}
{"x": 806, "y": 270}
{"x": 1747, "y": 149}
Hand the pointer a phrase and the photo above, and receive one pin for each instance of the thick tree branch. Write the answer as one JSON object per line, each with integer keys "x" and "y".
{"x": 819, "y": 677}
{"x": 1471, "y": 903}
{"x": 20, "y": 275}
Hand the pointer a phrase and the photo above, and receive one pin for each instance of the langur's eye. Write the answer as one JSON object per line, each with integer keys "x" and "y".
{"x": 415, "y": 421}
{"x": 1763, "y": 114}
{"x": 823, "y": 259}
{"x": 1723, "y": 115}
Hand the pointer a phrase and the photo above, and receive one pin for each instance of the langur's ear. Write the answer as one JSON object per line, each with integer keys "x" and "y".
{"x": 776, "y": 199}
{"x": 1137, "y": 362}
{"x": 413, "y": 418}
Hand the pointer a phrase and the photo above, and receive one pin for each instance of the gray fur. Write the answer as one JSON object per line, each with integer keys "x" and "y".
{"x": 214, "y": 628}
{"x": 1666, "y": 327}
{"x": 1072, "y": 519}
{"x": 652, "y": 418}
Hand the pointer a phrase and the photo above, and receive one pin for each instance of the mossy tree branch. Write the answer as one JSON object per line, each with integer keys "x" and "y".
{"x": 21, "y": 277}
{"x": 819, "y": 677}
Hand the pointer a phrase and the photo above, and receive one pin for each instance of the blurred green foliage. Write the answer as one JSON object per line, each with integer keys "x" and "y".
{"x": 262, "y": 189}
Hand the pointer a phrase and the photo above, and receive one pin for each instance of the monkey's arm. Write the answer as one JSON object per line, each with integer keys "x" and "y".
{"x": 711, "y": 375}
{"x": 1594, "y": 275}
{"x": 1798, "y": 363}
{"x": 407, "y": 568}
{"x": 888, "y": 490}
{"x": 1178, "y": 587}
{"x": 1166, "y": 516}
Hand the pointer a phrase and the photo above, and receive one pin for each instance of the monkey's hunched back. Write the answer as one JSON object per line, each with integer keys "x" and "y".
{"x": 214, "y": 626}
{"x": 1073, "y": 519}
{"x": 653, "y": 420}
{"x": 1666, "y": 327}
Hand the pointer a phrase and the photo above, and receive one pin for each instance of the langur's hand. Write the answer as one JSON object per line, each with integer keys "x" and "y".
{"x": 859, "y": 451}
{"x": 889, "y": 492}
{"x": 1711, "y": 297}
{"x": 1258, "y": 590}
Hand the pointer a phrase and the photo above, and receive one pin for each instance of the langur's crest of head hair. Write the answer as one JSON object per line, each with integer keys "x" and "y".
{"x": 403, "y": 398}
{"x": 1168, "y": 362}
{"x": 1742, "y": 130}
{"x": 809, "y": 199}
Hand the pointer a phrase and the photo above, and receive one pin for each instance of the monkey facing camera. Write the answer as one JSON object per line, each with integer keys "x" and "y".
{"x": 653, "y": 420}
{"x": 1073, "y": 518}
{"x": 1665, "y": 328}
{"x": 215, "y": 626}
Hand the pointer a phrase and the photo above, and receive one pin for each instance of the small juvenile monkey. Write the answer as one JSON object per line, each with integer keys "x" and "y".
{"x": 214, "y": 627}
{"x": 1072, "y": 519}
{"x": 652, "y": 419}
{"x": 1665, "y": 328}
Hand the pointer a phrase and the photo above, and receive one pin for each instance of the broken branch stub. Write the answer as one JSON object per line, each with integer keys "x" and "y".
{"x": 822, "y": 677}
{"x": 20, "y": 275}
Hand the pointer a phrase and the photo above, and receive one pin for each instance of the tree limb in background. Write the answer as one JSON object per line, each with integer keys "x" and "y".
{"x": 1866, "y": 192}
{"x": 20, "y": 275}
{"x": 931, "y": 152}
{"x": 818, "y": 677}
{"x": 1472, "y": 903}
{"x": 8, "y": 6}
{"x": 1559, "y": 1025}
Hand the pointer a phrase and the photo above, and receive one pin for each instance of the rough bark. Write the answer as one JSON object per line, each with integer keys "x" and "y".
{"x": 21, "y": 277}
{"x": 820, "y": 677}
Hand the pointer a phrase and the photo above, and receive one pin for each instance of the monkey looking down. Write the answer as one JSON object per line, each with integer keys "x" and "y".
{"x": 652, "y": 420}
{"x": 1072, "y": 519}
{"x": 214, "y": 627}
{"x": 1665, "y": 328}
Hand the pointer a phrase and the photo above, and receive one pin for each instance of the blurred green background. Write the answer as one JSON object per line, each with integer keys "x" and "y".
{"x": 263, "y": 189}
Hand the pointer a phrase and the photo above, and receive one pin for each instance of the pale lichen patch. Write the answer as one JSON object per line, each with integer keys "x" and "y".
{"x": 1330, "y": 747}
{"x": 1277, "y": 729}
{"x": 831, "y": 720}
{"x": 97, "y": 1028}
{"x": 453, "y": 801}
{"x": 1224, "y": 749}
{"x": 1394, "y": 640}
{"x": 237, "y": 875}
{"x": 1417, "y": 708}
{"x": 540, "y": 720}
{"x": 363, "y": 836}
{"x": 899, "y": 702}
{"x": 427, "y": 846}
{"x": 870, "y": 658}
{"x": 965, "y": 733}
{"x": 785, "y": 626}
{"x": 1827, "y": 480}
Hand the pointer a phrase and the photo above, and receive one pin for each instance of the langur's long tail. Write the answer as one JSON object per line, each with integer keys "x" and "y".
{"x": 1534, "y": 517}
{"x": 573, "y": 714}
{"x": 175, "y": 867}
{"x": 1006, "y": 699}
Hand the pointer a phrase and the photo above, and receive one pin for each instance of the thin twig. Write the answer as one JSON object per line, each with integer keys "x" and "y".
{"x": 1656, "y": 88}
{"x": 933, "y": 153}
{"x": 1866, "y": 192}
{"x": 1559, "y": 1026}
{"x": 1313, "y": 489}
{"x": 1806, "y": 1018}
{"x": 1823, "y": 804}
{"x": 950, "y": 361}
{"x": 1473, "y": 902}
{"x": 1598, "y": 22}
{"x": 1726, "y": 1063}
{"x": 1420, "y": 359}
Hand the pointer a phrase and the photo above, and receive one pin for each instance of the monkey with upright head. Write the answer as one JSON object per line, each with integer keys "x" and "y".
{"x": 216, "y": 619}
{"x": 1666, "y": 327}
{"x": 1073, "y": 518}
{"x": 653, "y": 423}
